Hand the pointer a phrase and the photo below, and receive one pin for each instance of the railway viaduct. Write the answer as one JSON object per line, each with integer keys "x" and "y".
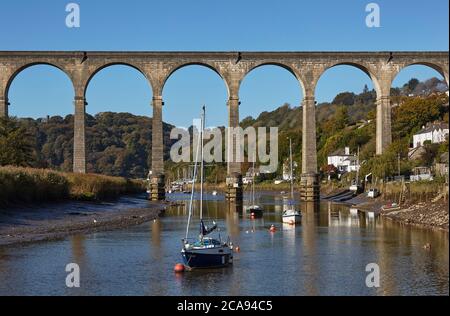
{"x": 232, "y": 67}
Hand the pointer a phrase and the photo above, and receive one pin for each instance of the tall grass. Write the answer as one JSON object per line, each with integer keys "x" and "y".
{"x": 420, "y": 191}
{"x": 98, "y": 187}
{"x": 38, "y": 185}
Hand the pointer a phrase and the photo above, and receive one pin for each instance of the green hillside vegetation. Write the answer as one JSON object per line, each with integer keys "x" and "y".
{"x": 349, "y": 121}
{"x": 119, "y": 144}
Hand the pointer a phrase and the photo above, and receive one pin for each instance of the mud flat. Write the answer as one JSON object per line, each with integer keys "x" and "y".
{"x": 433, "y": 215}
{"x": 55, "y": 221}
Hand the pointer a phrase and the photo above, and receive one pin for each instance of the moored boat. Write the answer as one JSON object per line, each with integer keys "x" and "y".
{"x": 291, "y": 215}
{"x": 254, "y": 210}
{"x": 204, "y": 252}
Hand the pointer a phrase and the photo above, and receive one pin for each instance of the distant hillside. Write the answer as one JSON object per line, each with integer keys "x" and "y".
{"x": 118, "y": 144}
{"x": 349, "y": 120}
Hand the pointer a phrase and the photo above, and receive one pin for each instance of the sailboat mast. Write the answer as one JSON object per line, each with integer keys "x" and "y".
{"x": 201, "y": 161}
{"x": 194, "y": 180}
{"x": 292, "y": 167}
{"x": 253, "y": 183}
{"x": 357, "y": 170}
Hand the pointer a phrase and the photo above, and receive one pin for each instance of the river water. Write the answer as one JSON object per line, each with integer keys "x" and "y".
{"x": 326, "y": 254}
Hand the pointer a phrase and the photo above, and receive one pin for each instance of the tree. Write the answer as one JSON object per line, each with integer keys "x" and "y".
{"x": 412, "y": 85}
{"x": 366, "y": 89}
{"x": 415, "y": 113}
{"x": 341, "y": 118}
{"x": 16, "y": 146}
{"x": 330, "y": 170}
{"x": 345, "y": 98}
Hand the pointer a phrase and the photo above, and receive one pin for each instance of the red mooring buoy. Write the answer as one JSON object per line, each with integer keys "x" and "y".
{"x": 237, "y": 249}
{"x": 273, "y": 229}
{"x": 179, "y": 268}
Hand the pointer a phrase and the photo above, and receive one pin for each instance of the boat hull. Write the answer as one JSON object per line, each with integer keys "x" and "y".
{"x": 207, "y": 258}
{"x": 291, "y": 219}
{"x": 255, "y": 211}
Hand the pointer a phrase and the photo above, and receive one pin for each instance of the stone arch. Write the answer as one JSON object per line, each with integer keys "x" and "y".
{"x": 23, "y": 67}
{"x": 98, "y": 69}
{"x": 287, "y": 67}
{"x": 366, "y": 69}
{"x": 201, "y": 64}
{"x": 441, "y": 69}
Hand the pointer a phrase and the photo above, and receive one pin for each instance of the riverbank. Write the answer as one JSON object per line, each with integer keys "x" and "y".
{"x": 58, "y": 220}
{"x": 27, "y": 185}
{"x": 411, "y": 209}
{"x": 432, "y": 215}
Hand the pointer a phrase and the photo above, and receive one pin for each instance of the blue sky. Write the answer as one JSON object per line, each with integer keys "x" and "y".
{"x": 174, "y": 25}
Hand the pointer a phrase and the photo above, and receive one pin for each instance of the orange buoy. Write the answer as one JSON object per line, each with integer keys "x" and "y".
{"x": 238, "y": 249}
{"x": 179, "y": 268}
{"x": 273, "y": 229}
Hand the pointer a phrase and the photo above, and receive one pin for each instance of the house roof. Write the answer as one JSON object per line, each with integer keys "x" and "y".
{"x": 416, "y": 153}
{"x": 339, "y": 152}
{"x": 431, "y": 127}
{"x": 351, "y": 158}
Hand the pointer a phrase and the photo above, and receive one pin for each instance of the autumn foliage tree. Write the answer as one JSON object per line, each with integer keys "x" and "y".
{"x": 16, "y": 147}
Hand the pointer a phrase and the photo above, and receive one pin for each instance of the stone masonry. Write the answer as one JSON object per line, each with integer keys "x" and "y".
{"x": 232, "y": 67}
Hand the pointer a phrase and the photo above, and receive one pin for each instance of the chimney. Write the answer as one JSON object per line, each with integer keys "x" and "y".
{"x": 347, "y": 151}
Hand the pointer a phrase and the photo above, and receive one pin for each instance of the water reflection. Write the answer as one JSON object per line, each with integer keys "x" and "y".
{"x": 325, "y": 254}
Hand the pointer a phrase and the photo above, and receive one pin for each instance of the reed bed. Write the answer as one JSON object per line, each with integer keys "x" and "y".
{"x": 414, "y": 192}
{"x": 39, "y": 185}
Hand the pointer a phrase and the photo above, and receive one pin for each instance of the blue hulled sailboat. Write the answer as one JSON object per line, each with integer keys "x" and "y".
{"x": 205, "y": 251}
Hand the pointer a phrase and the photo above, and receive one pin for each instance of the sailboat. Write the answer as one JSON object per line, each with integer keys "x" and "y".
{"x": 291, "y": 215}
{"x": 254, "y": 209}
{"x": 205, "y": 251}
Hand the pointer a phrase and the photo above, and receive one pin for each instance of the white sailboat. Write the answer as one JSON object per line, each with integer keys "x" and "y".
{"x": 291, "y": 215}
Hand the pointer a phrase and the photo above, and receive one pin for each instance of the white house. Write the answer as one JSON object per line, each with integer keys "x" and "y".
{"x": 434, "y": 132}
{"x": 344, "y": 161}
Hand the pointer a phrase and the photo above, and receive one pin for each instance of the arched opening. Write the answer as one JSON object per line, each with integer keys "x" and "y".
{"x": 185, "y": 92}
{"x": 40, "y": 90}
{"x": 118, "y": 122}
{"x": 419, "y": 80}
{"x": 41, "y": 101}
{"x": 189, "y": 88}
{"x": 119, "y": 88}
{"x": 271, "y": 96}
{"x": 346, "y": 99}
{"x": 419, "y": 98}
